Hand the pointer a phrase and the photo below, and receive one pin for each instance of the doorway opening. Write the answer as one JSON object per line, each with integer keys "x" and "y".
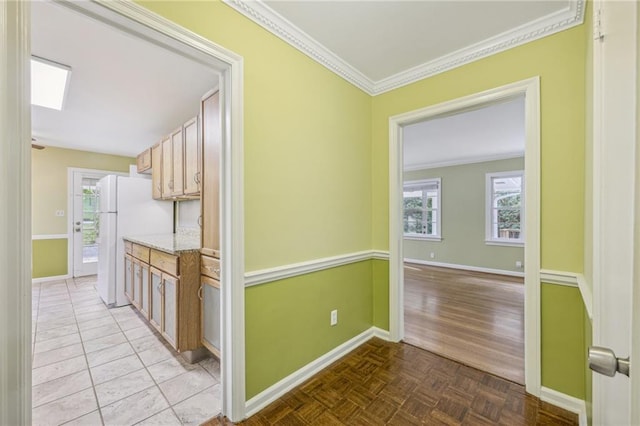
{"x": 463, "y": 224}
{"x": 138, "y": 22}
{"x": 503, "y": 195}
{"x": 84, "y": 225}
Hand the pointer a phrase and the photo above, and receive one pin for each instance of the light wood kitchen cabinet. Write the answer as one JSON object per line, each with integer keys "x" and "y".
{"x": 155, "y": 316}
{"x": 191, "y": 157}
{"x": 128, "y": 276}
{"x": 167, "y": 167}
{"x": 177, "y": 158}
{"x": 165, "y": 290}
{"x": 210, "y": 314}
{"x": 210, "y": 189}
{"x": 144, "y": 161}
{"x": 156, "y": 171}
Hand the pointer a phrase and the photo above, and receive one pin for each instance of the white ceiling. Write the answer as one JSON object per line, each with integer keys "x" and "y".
{"x": 124, "y": 93}
{"x": 381, "y": 45}
{"x": 493, "y": 132}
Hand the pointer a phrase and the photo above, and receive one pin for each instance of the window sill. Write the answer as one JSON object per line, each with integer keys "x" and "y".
{"x": 504, "y": 243}
{"x": 421, "y": 238}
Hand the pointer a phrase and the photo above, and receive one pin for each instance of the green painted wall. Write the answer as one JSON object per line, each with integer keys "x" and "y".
{"x": 49, "y": 193}
{"x": 562, "y": 339}
{"x": 463, "y": 216}
{"x": 380, "y": 294}
{"x": 49, "y": 258}
{"x": 287, "y": 321}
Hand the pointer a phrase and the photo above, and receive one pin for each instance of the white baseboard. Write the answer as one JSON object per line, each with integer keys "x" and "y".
{"x": 465, "y": 267}
{"x": 46, "y": 279}
{"x": 567, "y": 402}
{"x": 275, "y": 391}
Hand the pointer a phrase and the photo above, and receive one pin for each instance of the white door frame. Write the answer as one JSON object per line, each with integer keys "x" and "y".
{"x": 15, "y": 186}
{"x": 530, "y": 88}
{"x": 615, "y": 146}
{"x": 71, "y": 174}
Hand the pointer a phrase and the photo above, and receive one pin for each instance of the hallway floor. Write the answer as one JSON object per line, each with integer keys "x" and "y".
{"x": 94, "y": 366}
{"x": 398, "y": 384}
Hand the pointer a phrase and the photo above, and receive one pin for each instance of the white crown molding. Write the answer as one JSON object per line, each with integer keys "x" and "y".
{"x": 462, "y": 161}
{"x": 275, "y": 23}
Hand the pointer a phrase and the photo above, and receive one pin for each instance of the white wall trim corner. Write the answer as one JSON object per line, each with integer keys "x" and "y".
{"x": 465, "y": 267}
{"x": 567, "y": 402}
{"x": 15, "y": 222}
{"x": 278, "y": 389}
{"x": 49, "y": 237}
{"x": 571, "y": 279}
{"x": 381, "y": 334}
{"x": 50, "y": 279}
{"x": 294, "y": 269}
{"x": 530, "y": 88}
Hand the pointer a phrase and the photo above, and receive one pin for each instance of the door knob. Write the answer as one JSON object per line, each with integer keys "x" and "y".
{"x": 78, "y": 229}
{"x": 604, "y": 361}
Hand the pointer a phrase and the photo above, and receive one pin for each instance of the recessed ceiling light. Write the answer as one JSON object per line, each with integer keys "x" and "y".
{"x": 48, "y": 83}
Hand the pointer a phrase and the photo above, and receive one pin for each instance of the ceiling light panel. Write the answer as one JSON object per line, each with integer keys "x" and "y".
{"x": 49, "y": 82}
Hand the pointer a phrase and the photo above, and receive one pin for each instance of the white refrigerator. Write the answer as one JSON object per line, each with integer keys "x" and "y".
{"x": 126, "y": 209}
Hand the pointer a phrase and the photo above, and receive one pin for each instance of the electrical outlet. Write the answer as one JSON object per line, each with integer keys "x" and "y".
{"x": 518, "y": 264}
{"x": 60, "y": 213}
{"x": 334, "y": 317}
{"x": 432, "y": 255}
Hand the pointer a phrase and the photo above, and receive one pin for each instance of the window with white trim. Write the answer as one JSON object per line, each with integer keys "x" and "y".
{"x": 421, "y": 209}
{"x": 505, "y": 208}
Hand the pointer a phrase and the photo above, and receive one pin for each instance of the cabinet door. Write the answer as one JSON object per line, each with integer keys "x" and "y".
{"x": 143, "y": 161}
{"x": 170, "y": 288}
{"x": 210, "y": 168}
{"x": 155, "y": 315}
{"x": 137, "y": 283}
{"x": 167, "y": 168}
{"x": 177, "y": 146}
{"x": 128, "y": 276}
{"x": 156, "y": 171}
{"x": 210, "y": 314}
{"x": 144, "y": 292}
{"x": 191, "y": 157}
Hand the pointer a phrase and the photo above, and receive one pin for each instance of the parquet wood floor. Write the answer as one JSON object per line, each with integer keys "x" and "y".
{"x": 383, "y": 383}
{"x": 471, "y": 317}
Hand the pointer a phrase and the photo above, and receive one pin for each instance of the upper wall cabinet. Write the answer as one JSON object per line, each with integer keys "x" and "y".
{"x": 210, "y": 196}
{"x": 176, "y": 164}
{"x": 192, "y": 149}
{"x": 144, "y": 161}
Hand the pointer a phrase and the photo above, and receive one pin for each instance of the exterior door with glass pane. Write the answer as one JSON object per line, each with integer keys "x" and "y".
{"x": 85, "y": 223}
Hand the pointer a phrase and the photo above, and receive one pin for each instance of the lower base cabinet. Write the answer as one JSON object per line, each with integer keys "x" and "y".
{"x": 165, "y": 290}
{"x": 210, "y": 314}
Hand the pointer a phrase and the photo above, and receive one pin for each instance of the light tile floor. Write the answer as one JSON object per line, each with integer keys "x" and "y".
{"x": 95, "y": 366}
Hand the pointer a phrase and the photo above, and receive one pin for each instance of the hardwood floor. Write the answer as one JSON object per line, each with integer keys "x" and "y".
{"x": 471, "y": 317}
{"x": 399, "y": 384}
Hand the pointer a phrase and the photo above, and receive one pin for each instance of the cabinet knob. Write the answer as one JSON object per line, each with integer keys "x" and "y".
{"x": 200, "y": 293}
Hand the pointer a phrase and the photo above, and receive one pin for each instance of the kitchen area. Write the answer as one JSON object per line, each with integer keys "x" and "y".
{"x": 133, "y": 337}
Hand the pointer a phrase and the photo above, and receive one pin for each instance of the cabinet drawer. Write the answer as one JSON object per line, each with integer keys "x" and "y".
{"x": 128, "y": 247}
{"x": 165, "y": 262}
{"x": 210, "y": 267}
{"x": 140, "y": 252}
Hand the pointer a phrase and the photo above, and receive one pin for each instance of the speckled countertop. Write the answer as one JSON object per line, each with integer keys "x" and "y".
{"x": 168, "y": 243}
